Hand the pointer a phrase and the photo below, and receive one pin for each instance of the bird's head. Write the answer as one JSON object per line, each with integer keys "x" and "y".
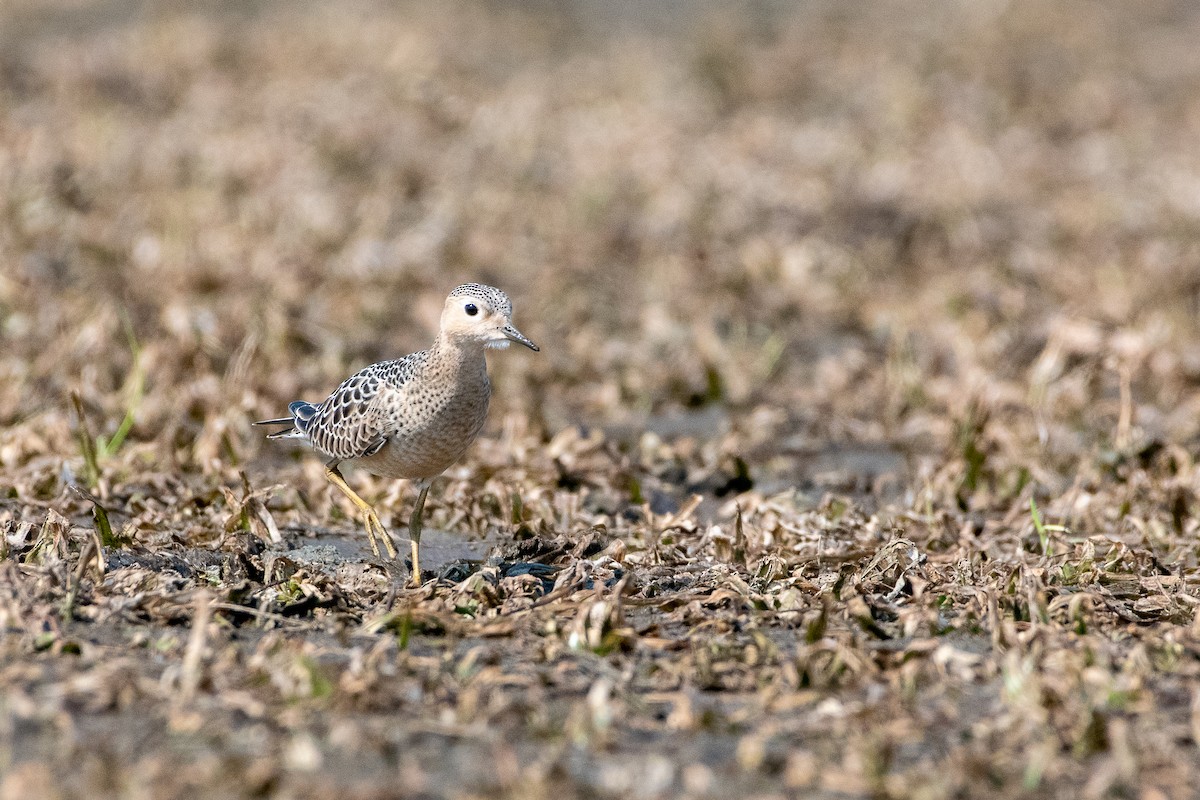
{"x": 482, "y": 314}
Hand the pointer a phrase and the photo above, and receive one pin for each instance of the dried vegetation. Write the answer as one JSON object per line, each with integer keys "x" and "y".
{"x": 859, "y": 460}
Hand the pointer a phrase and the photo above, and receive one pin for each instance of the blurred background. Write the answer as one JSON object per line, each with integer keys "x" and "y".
{"x": 853, "y": 220}
{"x": 869, "y": 279}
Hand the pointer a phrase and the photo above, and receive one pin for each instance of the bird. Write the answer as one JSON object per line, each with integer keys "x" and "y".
{"x": 410, "y": 417}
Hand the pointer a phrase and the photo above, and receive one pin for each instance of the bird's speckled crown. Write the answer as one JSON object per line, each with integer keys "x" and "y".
{"x": 495, "y": 298}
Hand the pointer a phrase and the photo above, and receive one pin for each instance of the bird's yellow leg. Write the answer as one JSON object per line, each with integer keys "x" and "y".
{"x": 414, "y": 533}
{"x": 370, "y": 517}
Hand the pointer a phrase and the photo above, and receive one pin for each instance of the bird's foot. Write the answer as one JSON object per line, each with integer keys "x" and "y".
{"x": 375, "y": 530}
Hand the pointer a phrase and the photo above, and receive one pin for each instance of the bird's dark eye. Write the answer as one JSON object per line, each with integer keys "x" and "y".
{"x": 471, "y": 309}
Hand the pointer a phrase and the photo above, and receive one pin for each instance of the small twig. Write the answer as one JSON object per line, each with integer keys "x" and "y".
{"x": 685, "y": 511}
{"x": 103, "y": 527}
{"x": 1125, "y": 416}
{"x": 189, "y": 679}
{"x": 90, "y": 551}
{"x": 548, "y": 599}
{"x": 551, "y": 596}
{"x": 393, "y": 592}
{"x": 254, "y": 612}
{"x": 87, "y": 445}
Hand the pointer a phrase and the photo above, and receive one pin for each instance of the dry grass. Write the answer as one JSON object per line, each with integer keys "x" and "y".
{"x": 859, "y": 459}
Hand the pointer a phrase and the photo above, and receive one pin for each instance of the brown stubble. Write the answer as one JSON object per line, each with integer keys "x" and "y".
{"x": 906, "y": 297}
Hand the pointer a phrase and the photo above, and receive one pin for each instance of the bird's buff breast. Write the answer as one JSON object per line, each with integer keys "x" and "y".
{"x": 427, "y": 448}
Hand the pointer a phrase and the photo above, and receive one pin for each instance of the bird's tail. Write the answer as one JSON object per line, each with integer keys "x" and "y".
{"x": 302, "y": 412}
{"x": 286, "y": 433}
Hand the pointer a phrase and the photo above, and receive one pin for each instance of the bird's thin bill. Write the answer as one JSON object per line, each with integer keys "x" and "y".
{"x": 515, "y": 335}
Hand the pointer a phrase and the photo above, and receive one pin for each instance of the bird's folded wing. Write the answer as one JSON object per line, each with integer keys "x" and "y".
{"x": 349, "y": 424}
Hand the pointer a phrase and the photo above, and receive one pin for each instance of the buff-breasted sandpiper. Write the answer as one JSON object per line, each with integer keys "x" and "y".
{"x": 414, "y": 416}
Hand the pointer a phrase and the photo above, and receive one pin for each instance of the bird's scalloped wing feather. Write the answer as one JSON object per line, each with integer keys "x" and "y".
{"x": 353, "y": 421}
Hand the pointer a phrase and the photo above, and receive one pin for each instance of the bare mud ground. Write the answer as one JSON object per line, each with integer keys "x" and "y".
{"x": 859, "y": 459}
